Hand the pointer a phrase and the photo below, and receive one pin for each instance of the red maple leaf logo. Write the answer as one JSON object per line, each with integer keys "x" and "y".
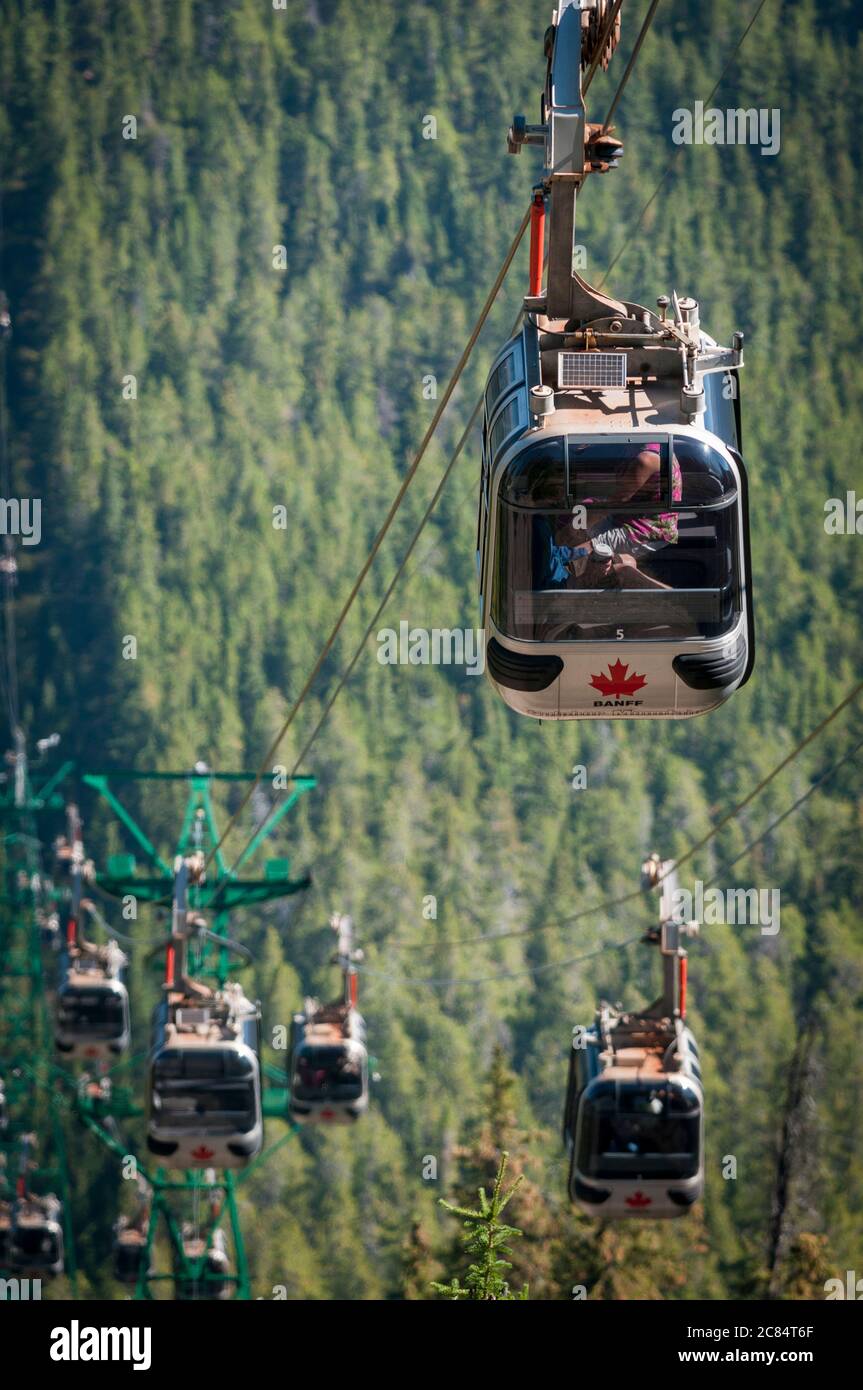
{"x": 202, "y": 1153}
{"x": 638, "y": 1199}
{"x": 617, "y": 682}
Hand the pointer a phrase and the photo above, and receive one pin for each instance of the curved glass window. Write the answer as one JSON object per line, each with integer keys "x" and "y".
{"x": 634, "y": 1129}
{"x": 536, "y": 476}
{"x": 328, "y": 1073}
{"x": 205, "y": 1091}
{"x": 31, "y": 1242}
{"x": 504, "y": 375}
{"x": 722, "y": 413}
{"x": 91, "y": 1013}
{"x": 616, "y": 539}
{"x": 504, "y": 425}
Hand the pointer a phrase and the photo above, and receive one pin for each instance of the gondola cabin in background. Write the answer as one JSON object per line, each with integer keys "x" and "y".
{"x": 207, "y": 1272}
{"x": 613, "y": 543}
{"x": 31, "y": 1230}
{"x": 130, "y": 1251}
{"x": 92, "y": 1003}
{"x": 36, "y": 1237}
{"x": 205, "y": 1080}
{"x": 91, "y": 1007}
{"x": 328, "y": 1067}
{"x": 205, "y": 1105}
{"x": 633, "y": 1119}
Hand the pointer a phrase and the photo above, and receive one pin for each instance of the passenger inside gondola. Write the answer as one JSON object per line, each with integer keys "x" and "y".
{"x": 610, "y": 538}
{"x": 629, "y": 539}
{"x": 330, "y": 1071}
{"x": 621, "y": 1123}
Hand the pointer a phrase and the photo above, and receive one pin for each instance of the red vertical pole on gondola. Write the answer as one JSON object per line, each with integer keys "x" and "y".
{"x": 537, "y": 242}
{"x": 683, "y": 986}
{"x": 169, "y": 966}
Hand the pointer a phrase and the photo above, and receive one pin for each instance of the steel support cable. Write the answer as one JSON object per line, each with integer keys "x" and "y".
{"x": 381, "y": 535}
{"x": 602, "y": 42}
{"x": 350, "y": 668}
{"x": 438, "y": 491}
{"x": 655, "y": 194}
{"x": 633, "y": 57}
{"x": 442, "y": 982}
{"x": 348, "y": 671}
{"x": 437, "y": 982}
{"x": 635, "y": 894}
{"x": 795, "y": 806}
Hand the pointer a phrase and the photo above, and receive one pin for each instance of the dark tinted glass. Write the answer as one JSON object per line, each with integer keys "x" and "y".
{"x": 328, "y": 1073}
{"x": 536, "y": 477}
{"x": 503, "y": 376}
{"x": 679, "y": 579}
{"x": 638, "y": 1130}
{"x": 504, "y": 425}
{"x": 720, "y": 390}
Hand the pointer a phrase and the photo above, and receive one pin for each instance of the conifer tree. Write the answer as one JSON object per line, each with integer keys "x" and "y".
{"x": 485, "y": 1237}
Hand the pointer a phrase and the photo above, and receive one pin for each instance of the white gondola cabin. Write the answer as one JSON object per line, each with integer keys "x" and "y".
{"x": 212, "y": 1278}
{"x": 205, "y": 1080}
{"x": 91, "y": 1019}
{"x": 329, "y": 1065}
{"x": 634, "y": 1119}
{"x": 614, "y": 552}
{"x": 35, "y": 1239}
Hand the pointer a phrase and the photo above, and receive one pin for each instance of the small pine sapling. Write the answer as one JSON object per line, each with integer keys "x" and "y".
{"x": 485, "y": 1238}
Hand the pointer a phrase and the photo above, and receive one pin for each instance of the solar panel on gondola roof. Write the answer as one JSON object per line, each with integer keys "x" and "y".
{"x": 591, "y": 371}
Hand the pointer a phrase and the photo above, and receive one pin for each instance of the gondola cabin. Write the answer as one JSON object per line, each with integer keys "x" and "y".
{"x": 36, "y": 1237}
{"x": 633, "y": 1123}
{"x": 212, "y": 1278}
{"x": 130, "y": 1252}
{"x": 613, "y": 528}
{"x": 329, "y": 1065}
{"x": 91, "y": 1018}
{"x": 205, "y": 1081}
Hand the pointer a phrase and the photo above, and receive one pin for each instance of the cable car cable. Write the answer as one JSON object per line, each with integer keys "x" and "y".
{"x": 638, "y": 893}
{"x": 440, "y": 982}
{"x": 437, "y": 982}
{"x": 601, "y": 43}
{"x": 852, "y": 695}
{"x": 379, "y": 538}
{"x": 349, "y": 669}
{"x": 655, "y": 194}
{"x": 399, "y": 497}
{"x": 795, "y": 806}
{"x": 648, "y": 20}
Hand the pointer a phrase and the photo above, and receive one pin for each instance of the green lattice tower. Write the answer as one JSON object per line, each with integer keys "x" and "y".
{"x": 223, "y": 890}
